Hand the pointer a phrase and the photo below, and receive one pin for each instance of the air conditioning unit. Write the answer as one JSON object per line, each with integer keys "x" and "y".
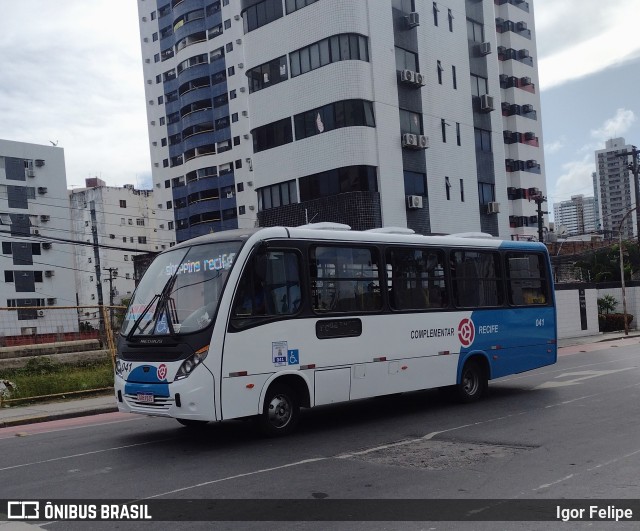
{"x": 236, "y": 17}
{"x": 529, "y": 136}
{"x": 523, "y": 54}
{"x": 242, "y": 89}
{"x": 51, "y": 301}
{"x": 415, "y": 141}
{"x": 486, "y": 103}
{"x": 412, "y": 20}
{"x": 532, "y": 164}
{"x": 45, "y": 218}
{"x": 408, "y": 76}
{"x": 147, "y": 60}
{"x": 39, "y": 163}
{"x": 31, "y": 173}
{"x": 525, "y": 80}
{"x": 249, "y": 183}
{"x": 527, "y": 108}
{"x": 414, "y": 201}
{"x": 49, "y": 273}
{"x": 251, "y": 207}
{"x": 238, "y": 41}
{"x": 240, "y": 65}
{"x": 532, "y": 191}
{"x": 485, "y": 48}
{"x": 46, "y": 245}
{"x": 42, "y": 190}
{"x": 421, "y": 79}
{"x": 493, "y": 208}
{"x": 522, "y": 26}
{"x": 41, "y": 313}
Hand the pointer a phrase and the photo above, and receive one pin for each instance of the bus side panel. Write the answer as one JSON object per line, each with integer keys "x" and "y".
{"x": 516, "y": 340}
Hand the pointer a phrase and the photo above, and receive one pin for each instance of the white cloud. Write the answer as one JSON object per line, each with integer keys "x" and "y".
{"x": 551, "y": 148}
{"x": 576, "y": 179}
{"x": 616, "y": 126}
{"x": 580, "y": 37}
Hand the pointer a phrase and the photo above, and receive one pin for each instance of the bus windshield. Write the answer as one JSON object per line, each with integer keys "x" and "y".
{"x": 180, "y": 292}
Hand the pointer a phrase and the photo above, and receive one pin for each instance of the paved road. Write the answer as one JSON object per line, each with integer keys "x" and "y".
{"x": 567, "y": 431}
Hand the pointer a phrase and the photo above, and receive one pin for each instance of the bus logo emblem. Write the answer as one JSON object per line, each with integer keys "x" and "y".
{"x": 466, "y": 332}
{"x": 162, "y": 372}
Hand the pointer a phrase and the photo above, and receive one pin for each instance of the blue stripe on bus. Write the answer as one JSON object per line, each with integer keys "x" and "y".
{"x": 158, "y": 389}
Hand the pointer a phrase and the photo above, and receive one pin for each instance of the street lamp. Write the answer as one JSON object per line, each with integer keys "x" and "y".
{"x": 624, "y": 298}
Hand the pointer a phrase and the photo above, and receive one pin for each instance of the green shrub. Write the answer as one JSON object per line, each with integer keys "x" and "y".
{"x": 613, "y": 322}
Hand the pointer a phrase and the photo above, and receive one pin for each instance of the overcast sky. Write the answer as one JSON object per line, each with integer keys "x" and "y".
{"x": 71, "y": 73}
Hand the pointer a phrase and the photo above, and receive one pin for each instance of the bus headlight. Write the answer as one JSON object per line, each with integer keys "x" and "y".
{"x": 191, "y": 363}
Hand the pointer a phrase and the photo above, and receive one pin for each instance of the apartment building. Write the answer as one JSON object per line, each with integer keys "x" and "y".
{"x": 38, "y": 265}
{"x": 116, "y": 223}
{"x": 371, "y": 113}
{"x": 578, "y": 215}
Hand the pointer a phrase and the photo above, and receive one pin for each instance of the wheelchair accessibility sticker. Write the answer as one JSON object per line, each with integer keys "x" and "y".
{"x": 293, "y": 356}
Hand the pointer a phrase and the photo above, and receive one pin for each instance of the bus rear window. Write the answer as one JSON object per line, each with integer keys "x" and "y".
{"x": 527, "y": 281}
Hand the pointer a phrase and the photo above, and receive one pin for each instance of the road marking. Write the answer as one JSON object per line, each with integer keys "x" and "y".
{"x": 581, "y": 376}
{"x": 94, "y": 452}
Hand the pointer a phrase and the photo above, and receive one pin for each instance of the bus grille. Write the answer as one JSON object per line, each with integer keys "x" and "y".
{"x": 161, "y": 403}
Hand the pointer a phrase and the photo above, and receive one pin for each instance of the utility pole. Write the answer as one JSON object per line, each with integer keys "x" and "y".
{"x": 539, "y": 199}
{"x": 113, "y": 273}
{"x": 634, "y": 168}
{"x": 96, "y": 259}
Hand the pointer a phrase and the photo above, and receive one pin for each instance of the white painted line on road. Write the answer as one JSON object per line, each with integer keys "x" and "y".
{"x": 580, "y": 377}
{"x": 229, "y": 478}
{"x": 94, "y": 452}
{"x": 611, "y": 461}
{"x": 565, "y": 402}
{"x": 547, "y": 485}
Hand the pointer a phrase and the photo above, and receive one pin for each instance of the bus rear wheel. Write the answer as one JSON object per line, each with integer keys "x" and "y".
{"x": 280, "y": 412}
{"x": 473, "y": 382}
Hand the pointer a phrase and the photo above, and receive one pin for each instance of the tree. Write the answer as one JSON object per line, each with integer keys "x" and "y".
{"x": 607, "y": 304}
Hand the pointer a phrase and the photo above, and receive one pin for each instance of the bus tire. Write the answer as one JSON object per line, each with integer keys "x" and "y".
{"x": 473, "y": 382}
{"x": 193, "y": 424}
{"x": 280, "y": 411}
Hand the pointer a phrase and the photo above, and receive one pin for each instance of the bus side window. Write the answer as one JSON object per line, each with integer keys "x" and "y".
{"x": 527, "y": 280}
{"x": 476, "y": 277}
{"x": 270, "y": 286}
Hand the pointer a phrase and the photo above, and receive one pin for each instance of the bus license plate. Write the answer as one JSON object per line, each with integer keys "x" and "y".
{"x": 147, "y": 398}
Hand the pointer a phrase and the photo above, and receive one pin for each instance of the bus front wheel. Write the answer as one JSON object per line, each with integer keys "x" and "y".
{"x": 473, "y": 382}
{"x": 280, "y": 411}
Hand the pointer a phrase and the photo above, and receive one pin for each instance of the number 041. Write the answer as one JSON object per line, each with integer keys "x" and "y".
{"x": 539, "y": 322}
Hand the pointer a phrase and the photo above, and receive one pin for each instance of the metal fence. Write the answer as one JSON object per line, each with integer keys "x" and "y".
{"x": 38, "y": 339}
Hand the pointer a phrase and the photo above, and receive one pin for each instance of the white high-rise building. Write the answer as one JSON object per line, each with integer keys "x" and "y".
{"x": 117, "y": 224}
{"x": 371, "y": 113}
{"x": 38, "y": 266}
{"x": 614, "y": 188}
{"x": 578, "y": 215}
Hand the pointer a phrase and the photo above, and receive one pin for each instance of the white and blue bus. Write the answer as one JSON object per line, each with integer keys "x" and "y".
{"x": 262, "y": 322}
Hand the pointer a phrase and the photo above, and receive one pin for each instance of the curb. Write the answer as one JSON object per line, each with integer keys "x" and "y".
{"x": 21, "y": 421}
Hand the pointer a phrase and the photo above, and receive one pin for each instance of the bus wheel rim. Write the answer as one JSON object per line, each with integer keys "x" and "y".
{"x": 470, "y": 383}
{"x": 279, "y": 411}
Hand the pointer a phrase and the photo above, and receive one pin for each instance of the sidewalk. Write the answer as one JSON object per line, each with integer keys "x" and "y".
{"x": 18, "y": 415}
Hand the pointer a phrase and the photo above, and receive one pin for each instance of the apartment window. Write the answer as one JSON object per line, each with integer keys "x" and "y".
{"x": 124, "y": 239}
{"x": 342, "y": 47}
{"x": 294, "y": 5}
{"x": 267, "y": 74}
{"x": 483, "y": 140}
{"x": 234, "y": 117}
{"x": 450, "y": 16}
{"x": 440, "y": 69}
{"x": 435, "y": 14}
{"x": 415, "y": 183}
{"x": 155, "y": 36}
{"x": 142, "y": 239}
{"x": 232, "y": 94}
{"x": 486, "y": 192}
{"x": 169, "y": 205}
{"x": 272, "y": 135}
{"x": 229, "y": 47}
{"x": 240, "y": 187}
{"x": 410, "y": 122}
{"x": 163, "y": 142}
{"x": 231, "y": 71}
{"x": 458, "y": 138}
{"x": 236, "y": 140}
{"x": 443, "y": 126}
{"x": 261, "y": 13}
{"x": 241, "y": 210}
{"x": 406, "y": 60}
{"x": 127, "y": 276}
{"x": 170, "y": 225}
{"x": 338, "y": 181}
{"x": 227, "y": 23}
{"x": 334, "y": 116}
{"x": 280, "y": 194}
{"x": 140, "y": 222}
{"x": 238, "y": 164}
{"x": 454, "y": 77}
{"x": 126, "y": 257}
{"x": 447, "y": 186}
{"x": 475, "y": 31}
{"x": 479, "y": 85}
{"x": 123, "y": 203}
{"x": 462, "y": 190}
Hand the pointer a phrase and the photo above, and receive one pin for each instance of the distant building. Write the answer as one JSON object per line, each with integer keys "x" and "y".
{"x": 578, "y": 215}
{"x": 34, "y": 217}
{"x": 370, "y": 113}
{"x": 614, "y": 188}
{"x": 124, "y": 223}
